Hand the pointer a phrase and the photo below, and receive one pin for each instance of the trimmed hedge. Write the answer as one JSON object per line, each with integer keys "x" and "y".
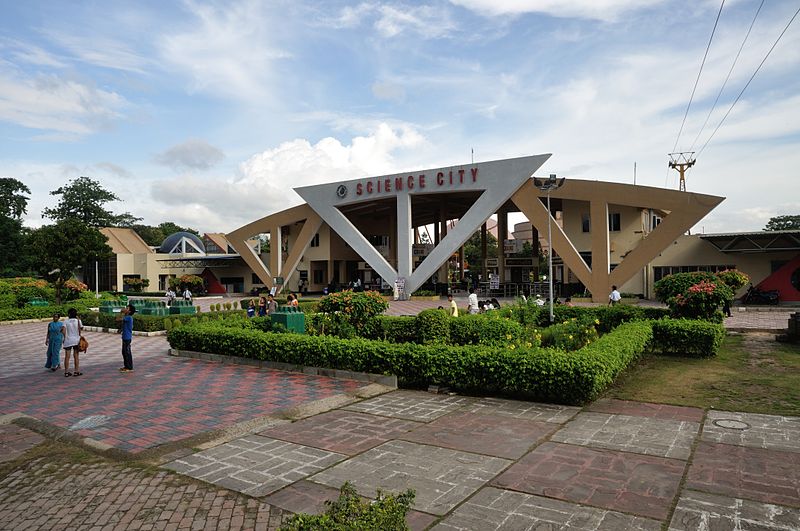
{"x": 154, "y": 323}
{"x": 539, "y": 374}
{"x": 687, "y": 337}
{"x": 433, "y": 326}
{"x": 463, "y": 330}
{"x": 610, "y": 317}
{"x": 43, "y": 312}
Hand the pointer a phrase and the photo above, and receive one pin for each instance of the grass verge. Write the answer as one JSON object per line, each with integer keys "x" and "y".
{"x": 751, "y": 373}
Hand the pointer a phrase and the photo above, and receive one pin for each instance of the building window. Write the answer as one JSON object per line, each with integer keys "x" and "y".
{"x": 585, "y": 225}
{"x": 319, "y": 276}
{"x": 255, "y": 280}
{"x": 614, "y": 222}
{"x": 379, "y": 240}
{"x": 315, "y": 241}
{"x": 655, "y": 221}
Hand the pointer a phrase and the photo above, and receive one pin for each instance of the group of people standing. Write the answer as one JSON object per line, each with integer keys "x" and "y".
{"x": 171, "y": 296}
{"x": 475, "y": 306}
{"x": 68, "y": 335}
{"x": 268, "y": 305}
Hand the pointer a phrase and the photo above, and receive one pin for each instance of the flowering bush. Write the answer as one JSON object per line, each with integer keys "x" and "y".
{"x": 193, "y": 282}
{"x": 700, "y": 301}
{"x": 572, "y": 334}
{"x": 135, "y": 284}
{"x": 356, "y": 307}
{"x": 74, "y": 289}
{"x": 677, "y": 283}
{"x": 733, "y": 278}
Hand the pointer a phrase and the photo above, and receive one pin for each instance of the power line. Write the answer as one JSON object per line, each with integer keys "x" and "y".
{"x": 735, "y": 59}
{"x": 675, "y": 147}
{"x": 748, "y": 81}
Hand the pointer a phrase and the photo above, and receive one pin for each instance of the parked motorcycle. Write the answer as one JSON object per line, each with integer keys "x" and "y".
{"x": 758, "y": 296}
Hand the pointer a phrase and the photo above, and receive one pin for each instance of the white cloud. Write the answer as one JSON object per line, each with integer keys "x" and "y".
{"x": 228, "y": 51}
{"x": 387, "y": 90}
{"x": 392, "y": 20}
{"x": 23, "y": 52}
{"x": 194, "y": 154}
{"x": 605, "y": 10}
{"x": 53, "y": 103}
{"x": 100, "y": 50}
{"x": 266, "y": 180}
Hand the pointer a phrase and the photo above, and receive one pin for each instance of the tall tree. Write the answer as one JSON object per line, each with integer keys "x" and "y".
{"x": 84, "y": 199}
{"x": 59, "y": 249}
{"x": 472, "y": 249}
{"x": 13, "y": 201}
{"x": 13, "y": 204}
{"x": 783, "y": 223}
{"x": 169, "y": 227}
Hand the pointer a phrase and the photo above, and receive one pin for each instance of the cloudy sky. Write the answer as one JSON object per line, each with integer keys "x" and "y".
{"x": 209, "y": 113}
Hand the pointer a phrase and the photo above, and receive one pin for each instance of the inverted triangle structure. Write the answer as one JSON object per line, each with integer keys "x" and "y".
{"x": 496, "y": 180}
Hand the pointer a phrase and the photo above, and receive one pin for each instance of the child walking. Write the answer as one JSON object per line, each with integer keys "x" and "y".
{"x": 55, "y": 338}
{"x": 127, "y": 336}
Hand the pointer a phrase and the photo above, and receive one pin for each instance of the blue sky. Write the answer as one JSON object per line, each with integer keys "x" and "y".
{"x": 209, "y": 113}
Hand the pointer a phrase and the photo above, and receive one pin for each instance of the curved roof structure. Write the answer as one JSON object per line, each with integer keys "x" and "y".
{"x": 182, "y": 243}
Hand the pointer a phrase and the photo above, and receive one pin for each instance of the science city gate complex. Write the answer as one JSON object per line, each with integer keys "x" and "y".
{"x": 603, "y": 233}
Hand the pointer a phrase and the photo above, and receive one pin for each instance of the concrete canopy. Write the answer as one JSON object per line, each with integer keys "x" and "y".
{"x": 470, "y": 193}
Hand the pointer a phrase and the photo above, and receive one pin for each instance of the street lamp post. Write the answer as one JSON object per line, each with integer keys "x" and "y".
{"x": 547, "y": 186}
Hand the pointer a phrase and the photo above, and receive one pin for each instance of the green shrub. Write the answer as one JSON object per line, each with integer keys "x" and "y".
{"x": 228, "y": 306}
{"x": 687, "y": 337}
{"x": 7, "y": 301}
{"x": 357, "y": 307}
{"x": 352, "y": 513}
{"x": 488, "y": 328}
{"x": 701, "y": 301}
{"x": 148, "y": 323}
{"x": 677, "y": 283}
{"x": 433, "y": 326}
{"x": 424, "y": 293}
{"x": 167, "y": 325}
{"x": 533, "y": 373}
{"x": 572, "y": 334}
{"x": 395, "y": 329}
{"x": 330, "y": 324}
{"x": 733, "y": 278}
{"x": 43, "y": 312}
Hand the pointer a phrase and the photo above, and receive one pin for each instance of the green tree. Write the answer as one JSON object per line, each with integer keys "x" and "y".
{"x": 783, "y": 223}
{"x": 13, "y": 201}
{"x": 13, "y": 204}
{"x": 59, "y": 249}
{"x": 151, "y": 235}
{"x": 472, "y": 249}
{"x": 84, "y": 199}
{"x": 169, "y": 227}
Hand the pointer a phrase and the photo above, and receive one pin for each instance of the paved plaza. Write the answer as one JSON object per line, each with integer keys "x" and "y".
{"x": 475, "y": 463}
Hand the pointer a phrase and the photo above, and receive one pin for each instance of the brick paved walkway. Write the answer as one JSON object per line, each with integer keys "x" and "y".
{"x": 98, "y": 495}
{"x": 164, "y": 400}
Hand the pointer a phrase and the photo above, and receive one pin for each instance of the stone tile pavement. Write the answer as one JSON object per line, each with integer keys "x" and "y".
{"x": 488, "y": 463}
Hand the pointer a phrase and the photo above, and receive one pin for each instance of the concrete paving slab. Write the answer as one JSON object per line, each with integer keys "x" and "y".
{"x": 442, "y": 478}
{"x": 255, "y": 465}
{"x": 411, "y": 405}
{"x": 497, "y": 509}
{"x": 643, "y": 485}
{"x": 522, "y": 410}
{"x": 642, "y": 435}
{"x": 646, "y": 409}
{"x": 769, "y": 476}
{"x": 308, "y": 497}
{"x": 344, "y": 432}
{"x": 486, "y": 434}
{"x": 752, "y": 429}
{"x": 700, "y": 510}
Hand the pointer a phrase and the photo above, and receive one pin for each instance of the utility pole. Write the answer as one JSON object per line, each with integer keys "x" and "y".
{"x": 682, "y": 161}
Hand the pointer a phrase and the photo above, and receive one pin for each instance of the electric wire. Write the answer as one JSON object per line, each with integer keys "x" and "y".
{"x": 735, "y": 59}
{"x": 749, "y": 81}
{"x": 708, "y": 47}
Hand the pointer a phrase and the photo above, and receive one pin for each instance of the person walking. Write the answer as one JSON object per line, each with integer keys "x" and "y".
{"x": 473, "y": 301}
{"x": 187, "y": 295}
{"x": 72, "y": 338}
{"x": 54, "y": 340}
{"x": 453, "y": 307}
{"x": 614, "y": 297}
{"x": 126, "y": 329}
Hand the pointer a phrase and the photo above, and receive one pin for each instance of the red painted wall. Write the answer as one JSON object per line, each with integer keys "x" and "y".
{"x": 211, "y": 281}
{"x": 781, "y": 281}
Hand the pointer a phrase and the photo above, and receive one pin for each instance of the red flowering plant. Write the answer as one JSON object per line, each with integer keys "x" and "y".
{"x": 357, "y": 308}
{"x": 700, "y": 301}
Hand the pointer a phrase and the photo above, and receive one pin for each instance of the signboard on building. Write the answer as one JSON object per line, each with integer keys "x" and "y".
{"x": 421, "y": 249}
{"x": 509, "y": 246}
{"x": 494, "y": 282}
{"x": 278, "y": 281}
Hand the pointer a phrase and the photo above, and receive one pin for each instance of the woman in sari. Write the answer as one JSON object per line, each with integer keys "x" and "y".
{"x": 54, "y": 340}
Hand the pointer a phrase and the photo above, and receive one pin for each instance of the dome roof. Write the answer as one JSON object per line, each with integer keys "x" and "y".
{"x": 182, "y": 242}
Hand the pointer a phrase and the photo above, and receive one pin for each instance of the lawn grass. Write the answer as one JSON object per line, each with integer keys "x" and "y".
{"x": 751, "y": 373}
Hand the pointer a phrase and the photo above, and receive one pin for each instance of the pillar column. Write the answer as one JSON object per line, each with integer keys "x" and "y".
{"x": 598, "y": 215}
{"x": 404, "y": 236}
{"x": 502, "y": 232}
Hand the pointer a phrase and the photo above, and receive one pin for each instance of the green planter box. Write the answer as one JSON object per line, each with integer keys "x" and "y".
{"x": 292, "y": 318}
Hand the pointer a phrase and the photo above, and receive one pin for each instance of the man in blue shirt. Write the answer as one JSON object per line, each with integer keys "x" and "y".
{"x": 127, "y": 334}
